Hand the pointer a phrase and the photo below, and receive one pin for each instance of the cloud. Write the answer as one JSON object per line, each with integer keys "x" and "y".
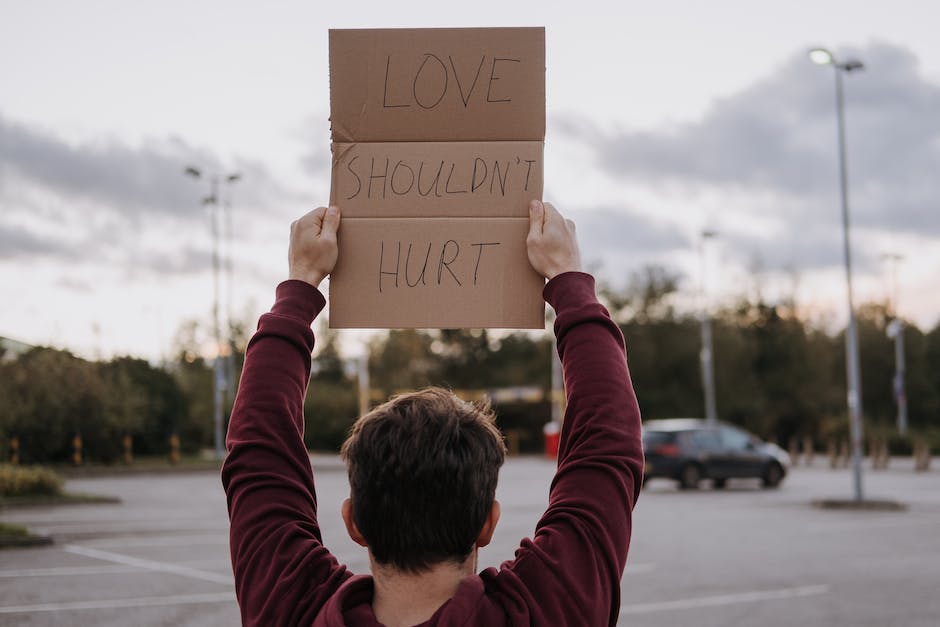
{"x": 816, "y": 248}
{"x": 17, "y": 242}
{"x": 109, "y": 172}
{"x": 123, "y": 178}
{"x": 779, "y": 136}
{"x": 99, "y": 195}
{"x": 316, "y": 160}
{"x": 613, "y": 241}
{"x": 609, "y": 230}
{"x": 74, "y": 284}
{"x": 187, "y": 260}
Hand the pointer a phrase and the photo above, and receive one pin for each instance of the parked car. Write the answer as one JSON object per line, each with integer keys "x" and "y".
{"x": 688, "y": 450}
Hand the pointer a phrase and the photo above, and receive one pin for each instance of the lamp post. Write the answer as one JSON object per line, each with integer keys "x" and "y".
{"x": 707, "y": 353}
{"x": 229, "y": 257}
{"x": 220, "y": 379}
{"x": 895, "y": 331}
{"x": 821, "y": 56}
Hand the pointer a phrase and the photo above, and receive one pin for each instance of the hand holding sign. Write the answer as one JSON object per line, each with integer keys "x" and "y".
{"x": 313, "y": 250}
{"x": 552, "y": 244}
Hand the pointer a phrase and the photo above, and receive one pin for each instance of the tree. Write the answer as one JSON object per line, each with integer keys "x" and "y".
{"x": 332, "y": 402}
{"x": 647, "y": 296}
{"x": 151, "y": 399}
{"x": 403, "y": 360}
{"x": 53, "y": 396}
{"x": 328, "y": 363}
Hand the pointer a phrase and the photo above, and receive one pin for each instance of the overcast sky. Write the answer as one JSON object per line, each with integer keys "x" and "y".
{"x": 664, "y": 119}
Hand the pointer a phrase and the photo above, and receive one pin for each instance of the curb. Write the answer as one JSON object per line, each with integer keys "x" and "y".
{"x": 870, "y": 505}
{"x": 18, "y": 542}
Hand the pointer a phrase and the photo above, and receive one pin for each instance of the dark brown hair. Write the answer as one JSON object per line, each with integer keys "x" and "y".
{"x": 422, "y": 472}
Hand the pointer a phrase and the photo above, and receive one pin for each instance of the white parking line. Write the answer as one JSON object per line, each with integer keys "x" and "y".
{"x": 724, "y": 599}
{"x": 69, "y": 570}
{"x": 222, "y": 562}
{"x": 187, "y": 540}
{"x": 180, "y": 599}
{"x": 127, "y": 560}
{"x": 100, "y": 527}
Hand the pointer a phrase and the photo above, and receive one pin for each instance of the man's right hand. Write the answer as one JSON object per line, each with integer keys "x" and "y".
{"x": 313, "y": 250}
{"x": 552, "y": 244}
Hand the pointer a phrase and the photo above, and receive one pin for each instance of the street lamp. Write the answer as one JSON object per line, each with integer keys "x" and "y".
{"x": 822, "y": 56}
{"x": 221, "y": 374}
{"x": 707, "y": 353}
{"x": 895, "y": 331}
{"x": 229, "y": 257}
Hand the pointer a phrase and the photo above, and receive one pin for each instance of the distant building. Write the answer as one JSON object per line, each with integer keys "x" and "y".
{"x": 11, "y": 349}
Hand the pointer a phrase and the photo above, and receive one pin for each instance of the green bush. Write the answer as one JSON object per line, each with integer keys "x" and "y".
{"x": 13, "y": 531}
{"x": 28, "y": 481}
{"x": 329, "y": 411}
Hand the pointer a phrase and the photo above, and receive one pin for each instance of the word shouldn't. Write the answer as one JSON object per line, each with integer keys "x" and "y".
{"x": 442, "y": 178}
{"x": 399, "y": 274}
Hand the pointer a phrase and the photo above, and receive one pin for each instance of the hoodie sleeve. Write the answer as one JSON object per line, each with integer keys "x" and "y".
{"x": 283, "y": 573}
{"x": 569, "y": 573}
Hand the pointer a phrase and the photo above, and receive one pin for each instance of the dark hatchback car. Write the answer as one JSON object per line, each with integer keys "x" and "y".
{"x": 687, "y": 450}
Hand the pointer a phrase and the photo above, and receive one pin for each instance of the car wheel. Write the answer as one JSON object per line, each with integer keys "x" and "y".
{"x": 772, "y": 476}
{"x": 690, "y": 477}
{"x": 720, "y": 483}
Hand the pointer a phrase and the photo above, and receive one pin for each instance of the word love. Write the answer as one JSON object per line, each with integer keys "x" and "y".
{"x": 408, "y": 265}
{"x": 426, "y": 83}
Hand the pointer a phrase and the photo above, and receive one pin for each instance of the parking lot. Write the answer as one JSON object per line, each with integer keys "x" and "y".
{"x": 741, "y": 556}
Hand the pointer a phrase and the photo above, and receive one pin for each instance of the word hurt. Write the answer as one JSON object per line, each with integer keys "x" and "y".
{"x": 446, "y": 261}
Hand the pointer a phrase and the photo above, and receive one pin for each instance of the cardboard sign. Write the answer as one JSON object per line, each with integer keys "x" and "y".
{"x": 437, "y": 150}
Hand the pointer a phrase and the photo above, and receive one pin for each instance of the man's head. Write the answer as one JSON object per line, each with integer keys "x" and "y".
{"x": 422, "y": 473}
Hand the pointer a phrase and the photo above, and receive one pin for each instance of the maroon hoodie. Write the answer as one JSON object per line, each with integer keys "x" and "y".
{"x": 567, "y": 574}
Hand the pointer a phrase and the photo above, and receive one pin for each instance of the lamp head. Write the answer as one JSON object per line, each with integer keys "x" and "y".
{"x": 820, "y": 56}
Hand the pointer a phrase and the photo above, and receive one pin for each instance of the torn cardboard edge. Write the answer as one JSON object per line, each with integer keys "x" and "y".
{"x": 436, "y": 179}
{"x": 435, "y": 273}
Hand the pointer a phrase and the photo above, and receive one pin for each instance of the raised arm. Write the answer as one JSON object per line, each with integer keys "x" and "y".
{"x": 283, "y": 574}
{"x": 569, "y": 574}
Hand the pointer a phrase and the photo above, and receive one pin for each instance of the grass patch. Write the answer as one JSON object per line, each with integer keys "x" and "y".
{"x": 65, "y": 498}
{"x": 18, "y": 481}
{"x": 18, "y": 536}
{"x": 22, "y": 486}
{"x": 6, "y": 529}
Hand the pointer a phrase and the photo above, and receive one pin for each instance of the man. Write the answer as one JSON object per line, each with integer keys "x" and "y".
{"x": 422, "y": 474}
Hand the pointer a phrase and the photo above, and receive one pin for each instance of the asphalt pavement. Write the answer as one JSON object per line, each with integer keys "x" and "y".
{"x": 740, "y": 556}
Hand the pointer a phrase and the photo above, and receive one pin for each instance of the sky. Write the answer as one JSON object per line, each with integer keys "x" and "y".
{"x": 664, "y": 119}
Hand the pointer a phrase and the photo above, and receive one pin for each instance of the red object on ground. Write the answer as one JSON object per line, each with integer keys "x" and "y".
{"x": 552, "y": 434}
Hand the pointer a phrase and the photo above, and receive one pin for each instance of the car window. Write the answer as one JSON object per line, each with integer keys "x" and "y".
{"x": 734, "y": 439}
{"x": 655, "y": 438}
{"x": 705, "y": 439}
